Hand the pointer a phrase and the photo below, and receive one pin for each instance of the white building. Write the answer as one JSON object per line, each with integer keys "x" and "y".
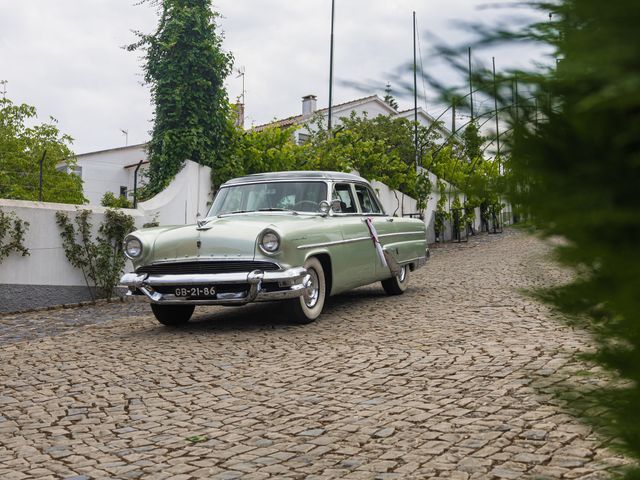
{"x": 113, "y": 170}
{"x": 372, "y": 106}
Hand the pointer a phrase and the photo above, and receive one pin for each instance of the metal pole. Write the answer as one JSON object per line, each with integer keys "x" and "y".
{"x": 453, "y": 116}
{"x": 44, "y": 154}
{"x": 135, "y": 184}
{"x": 415, "y": 93}
{"x": 330, "y": 119}
{"x": 515, "y": 97}
{"x": 495, "y": 101}
{"x": 470, "y": 86}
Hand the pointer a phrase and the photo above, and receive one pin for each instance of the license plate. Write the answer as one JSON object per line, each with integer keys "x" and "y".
{"x": 195, "y": 291}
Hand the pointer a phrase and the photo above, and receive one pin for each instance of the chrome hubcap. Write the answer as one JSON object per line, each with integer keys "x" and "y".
{"x": 403, "y": 274}
{"x": 313, "y": 290}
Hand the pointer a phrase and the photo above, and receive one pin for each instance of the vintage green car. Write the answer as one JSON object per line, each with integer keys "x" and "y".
{"x": 296, "y": 237}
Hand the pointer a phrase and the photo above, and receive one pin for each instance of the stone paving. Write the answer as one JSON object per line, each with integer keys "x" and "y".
{"x": 451, "y": 380}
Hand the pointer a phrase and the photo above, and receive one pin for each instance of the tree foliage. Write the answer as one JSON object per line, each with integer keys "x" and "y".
{"x": 110, "y": 200}
{"x": 21, "y": 150}
{"x": 380, "y": 148}
{"x": 186, "y": 68}
{"x": 12, "y": 232}
{"x": 574, "y": 163}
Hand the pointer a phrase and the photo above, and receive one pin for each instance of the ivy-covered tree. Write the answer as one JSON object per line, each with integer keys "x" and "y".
{"x": 23, "y": 147}
{"x": 186, "y": 68}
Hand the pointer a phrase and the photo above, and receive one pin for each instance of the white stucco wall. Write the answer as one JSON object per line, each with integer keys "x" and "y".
{"x": 188, "y": 195}
{"x": 46, "y": 264}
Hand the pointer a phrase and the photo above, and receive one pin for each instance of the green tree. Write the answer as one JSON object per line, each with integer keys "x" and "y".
{"x": 110, "y": 200}
{"x": 270, "y": 150}
{"x": 380, "y": 149}
{"x": 472, "y": 141}
{"x": 22, "y": 148}
{"x": 186, "y": 68}
{"x": 575, "y": 165}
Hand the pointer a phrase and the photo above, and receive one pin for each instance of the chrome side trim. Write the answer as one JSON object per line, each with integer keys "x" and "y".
{"x": 336, "y": 242}
{"x": 417, "y": 232}
{"x": 358, "y": 239}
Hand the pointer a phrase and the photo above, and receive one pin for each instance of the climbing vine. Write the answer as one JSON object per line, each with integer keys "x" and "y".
{"x": 422, "y": 190}
{"x": 457, "y": 217}
{"x": 12, "y": 232}
{"x": 442, "y": 215}
{"x": 100, "y": 259}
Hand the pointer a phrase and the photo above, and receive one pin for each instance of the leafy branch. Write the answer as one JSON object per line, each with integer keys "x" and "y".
{"x": 101, "y": 260}
{"x": 12, "y": 232}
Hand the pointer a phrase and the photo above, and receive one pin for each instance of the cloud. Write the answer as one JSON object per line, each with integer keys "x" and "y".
{"x": 65, "y": 57}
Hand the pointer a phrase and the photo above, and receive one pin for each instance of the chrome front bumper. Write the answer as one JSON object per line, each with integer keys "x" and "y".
{"x": 252, "y": 286}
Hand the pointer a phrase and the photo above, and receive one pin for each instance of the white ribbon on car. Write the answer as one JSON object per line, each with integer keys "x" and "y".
{"x": 376, "y": 241}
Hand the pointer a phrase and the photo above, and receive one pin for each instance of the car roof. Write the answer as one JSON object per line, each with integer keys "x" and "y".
{"x": 297, "y": 175}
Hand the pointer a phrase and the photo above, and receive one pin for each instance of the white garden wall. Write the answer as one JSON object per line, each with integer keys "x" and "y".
{"x": 45, "y": 277}
{"x": 188, "y": 195}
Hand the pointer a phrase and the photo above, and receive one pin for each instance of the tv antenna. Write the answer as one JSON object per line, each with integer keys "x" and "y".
{"x": 240, "y": 71}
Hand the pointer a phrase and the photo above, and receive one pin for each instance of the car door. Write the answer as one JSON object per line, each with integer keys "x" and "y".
{"x": 384, "y": 224}
{"x": 355, "y": 257}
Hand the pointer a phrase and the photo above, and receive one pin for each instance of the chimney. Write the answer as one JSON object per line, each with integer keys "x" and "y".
{"x": 309, "y": 105}
{"x": 239, "y": 110}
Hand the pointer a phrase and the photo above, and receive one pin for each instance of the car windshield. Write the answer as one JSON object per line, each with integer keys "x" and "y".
{"x": 269, "y": 196}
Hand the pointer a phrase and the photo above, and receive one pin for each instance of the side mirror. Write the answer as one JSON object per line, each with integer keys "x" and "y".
{"x": 336, "y": 206}
{"x": 324, "y": 207}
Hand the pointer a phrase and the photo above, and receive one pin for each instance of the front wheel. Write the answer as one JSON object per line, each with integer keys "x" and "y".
{"x": 172, "y": 315}
{"x": 307, "y": 308}
{"x": 397, "y": 284}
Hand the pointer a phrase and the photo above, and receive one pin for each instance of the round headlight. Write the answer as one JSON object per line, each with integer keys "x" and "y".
{"x": 132, "y": 247}
{"x": 270, "y": 241}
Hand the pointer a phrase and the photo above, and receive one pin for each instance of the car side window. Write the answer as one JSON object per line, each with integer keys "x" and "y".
{"x": 342, "y": 192}
{"x": 368, "y": 203}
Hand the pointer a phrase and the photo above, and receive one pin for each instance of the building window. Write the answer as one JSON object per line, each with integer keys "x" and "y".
{"x": 77, "y": 170}
{"x": 123, "y": 192}
{"x": 303, "y": 138}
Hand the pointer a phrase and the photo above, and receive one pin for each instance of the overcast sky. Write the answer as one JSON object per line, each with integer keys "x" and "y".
{"x": 65, "y": 56}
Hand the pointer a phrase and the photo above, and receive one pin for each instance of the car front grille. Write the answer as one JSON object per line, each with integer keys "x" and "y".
{"x": 219, "y": 266}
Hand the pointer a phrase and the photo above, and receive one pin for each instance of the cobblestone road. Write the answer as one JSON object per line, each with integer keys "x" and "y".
{"x": 451, "y": 380}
